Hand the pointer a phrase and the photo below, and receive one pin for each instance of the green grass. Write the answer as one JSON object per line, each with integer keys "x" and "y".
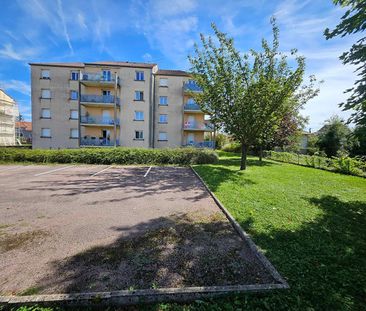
{"x": 311, "y": 225}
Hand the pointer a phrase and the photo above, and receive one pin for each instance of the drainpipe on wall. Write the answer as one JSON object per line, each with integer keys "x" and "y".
{"x": 152, "y": 109}
{"x": 79, "y": 107}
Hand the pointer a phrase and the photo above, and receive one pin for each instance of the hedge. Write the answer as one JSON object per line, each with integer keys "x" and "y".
{"x": 126, "y": 156}
{"x": 344, "y": 165}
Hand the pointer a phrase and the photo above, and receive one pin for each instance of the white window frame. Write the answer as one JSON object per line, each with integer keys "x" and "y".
{"x": 76, "y": 73}
{"x": 138, "y": 115}
{"x": 163, "y": 82}
{"x": 45, "y": 115}
{"x": 72, "y": 114}
{"x": 45, "y": 74}
{"x": 72, "y": 133}
{"x": 76, "y": 95}
{"x": 139, "y": 95}
{"x": 163, "y": 136}
{"x": 139, "y": 137}
{"x": 163, "y": 100}
{"x": 140, "y": 76}
{"x": 163, "y": 118}
{"x": 43, "y": 130}
{"x": 46, "y": 91}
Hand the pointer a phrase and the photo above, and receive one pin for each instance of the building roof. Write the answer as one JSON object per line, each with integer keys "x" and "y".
{"x": 102, "y": 63}
{"x": 24, "y": 124}
{"x": 166, "y": 72}
{"x": 77, "y": 65}
{"x": 123, "y": 64}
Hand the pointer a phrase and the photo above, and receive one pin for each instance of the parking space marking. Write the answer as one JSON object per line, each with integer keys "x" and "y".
{"x": 10, "y": 168}
{"x": 55, "y": 170}
{"x": 148, "y": 171}
{"x": 102, "y": 170}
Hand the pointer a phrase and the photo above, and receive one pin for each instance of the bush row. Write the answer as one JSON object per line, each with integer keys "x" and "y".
{"x": 344, "y": 165}
{"x": 181, "y": 156}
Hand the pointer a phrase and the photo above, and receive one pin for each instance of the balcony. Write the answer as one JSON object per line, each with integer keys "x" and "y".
{"x": 97, "y": 142}
{"x": 202, "y": 144}
{"x": 98, "y": 121}
{"x": 7, "y": 111}
{"x": 191, "y": 86}
{"x": 98, "y": 100}
{"x": 192, "y": 107}
{"x": 99, "y": 79}
{"x": 198, "y": 126}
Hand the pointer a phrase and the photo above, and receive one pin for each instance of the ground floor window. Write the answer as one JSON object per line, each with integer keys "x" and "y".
{"x": 163, "y": 136}
{"x": 74, "y": 133}
{"x": 45, "y": 132}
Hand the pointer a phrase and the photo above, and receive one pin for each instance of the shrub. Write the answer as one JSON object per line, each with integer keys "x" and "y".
{"x": 232, "y": 147}
{"x": 344, "y": 165}
{"x": 180, "y": 156}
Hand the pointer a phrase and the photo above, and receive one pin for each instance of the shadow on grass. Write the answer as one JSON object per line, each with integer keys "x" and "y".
{"x": 184, "y": 250}
{"x": 324, "y": 260}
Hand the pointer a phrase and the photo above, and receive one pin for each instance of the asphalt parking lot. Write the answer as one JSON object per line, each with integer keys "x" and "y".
{"x": 74, "y": 228}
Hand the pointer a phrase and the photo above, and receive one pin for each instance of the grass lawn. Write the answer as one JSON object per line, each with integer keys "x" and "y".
{"x": 311, "y": 225}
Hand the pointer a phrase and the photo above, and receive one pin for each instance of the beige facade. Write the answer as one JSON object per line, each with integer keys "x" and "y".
{"x": 8, "y": 113}
{"x": 112, "y": 104}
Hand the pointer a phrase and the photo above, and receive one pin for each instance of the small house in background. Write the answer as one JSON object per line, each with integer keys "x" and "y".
{"x": 23, "y": 132}
{"x": 8, "y": 113}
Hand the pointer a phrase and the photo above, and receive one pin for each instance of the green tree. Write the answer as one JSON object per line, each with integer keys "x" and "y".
{"x": 245, "y": 93}
{"x": 359, "y": 149}
{"x": 353, "y": 21}
{"x": 335, "y": 137}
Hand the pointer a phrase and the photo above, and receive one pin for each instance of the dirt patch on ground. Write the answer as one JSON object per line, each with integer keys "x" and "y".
{"x": 13, "y": 241}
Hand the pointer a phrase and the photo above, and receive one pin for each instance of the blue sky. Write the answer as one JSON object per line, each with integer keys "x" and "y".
{"x": 164, "y": 31}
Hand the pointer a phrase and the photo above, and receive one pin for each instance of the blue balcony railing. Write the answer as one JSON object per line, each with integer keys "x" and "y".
{"x": 100, "y": 99}
{"x": 98, "y": 120}
{"x": 191, "y": 86}
{"x": 99, "y": 77}
{"x": 97, "y": 141}
{"x": 192, "y": 106}
{"x": 205, "y": 126}
{"x": 202, "y": 144}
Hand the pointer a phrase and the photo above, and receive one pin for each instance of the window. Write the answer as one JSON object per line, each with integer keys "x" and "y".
{"x": 74, "y": 95}
{"x": 163, "y": 136}
{"x": 163, "y": 82}
{"x": 46, "y": 94}
{"x": 106, "y": 93}
{"x": 163, "y": 118}
{"x": 74, "y": 133}
{"x": 140, "y": 76}
{"x": 139, "y": 95}
{"x": 74, "y": 114}
{"x": 139, "y": 116}
{"x": 107, "y": 75}
{"x": 74, "y": 75}
{"x": 45, "y": 74}
{"x": 139, "y": 135}
{"x": 45, "y": 132}
{"x": 163, "y": 100}
{"x": 46, "y": 113}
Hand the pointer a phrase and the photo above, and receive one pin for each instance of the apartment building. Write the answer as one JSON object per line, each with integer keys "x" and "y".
{"x": 115, "y": 104}
{"x": 8, "y": 113}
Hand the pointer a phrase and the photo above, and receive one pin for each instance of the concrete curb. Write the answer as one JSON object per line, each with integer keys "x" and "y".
{"x": 245, "y": 236}
{"x": 133, "y": 297}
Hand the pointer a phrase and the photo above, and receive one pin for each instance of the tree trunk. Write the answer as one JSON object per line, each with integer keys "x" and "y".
{"x": 243, "y": 162}
{"x": 260, "y": 153}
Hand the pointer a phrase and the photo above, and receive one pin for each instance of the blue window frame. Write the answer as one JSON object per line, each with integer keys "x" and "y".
{"x": 163, "y": 100}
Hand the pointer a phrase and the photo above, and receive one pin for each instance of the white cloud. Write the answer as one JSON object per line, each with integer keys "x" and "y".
{"x": 169, "y": 28}
{"x": 147, "y": 57}
{"x": 61, "y": 15}
{"x": 17, "y": 86}
{"x": 8, "y": 51}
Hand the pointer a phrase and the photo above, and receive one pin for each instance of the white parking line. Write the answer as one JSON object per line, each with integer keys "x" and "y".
{"x": 10, "y": 168}
{"x": 55, "y": 170}
{"x": 102, "y": 170}
{"x": 148, "y": 171}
